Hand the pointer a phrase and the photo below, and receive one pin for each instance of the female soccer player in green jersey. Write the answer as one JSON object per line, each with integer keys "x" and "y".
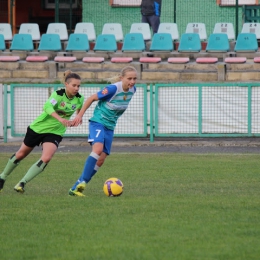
{"x": 47, "y": 129}
{"x": 113, "y": 100}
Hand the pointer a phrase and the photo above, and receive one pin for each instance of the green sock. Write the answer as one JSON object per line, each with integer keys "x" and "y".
{"x": 35, "y": 169}
{"x": 10, "y": 166}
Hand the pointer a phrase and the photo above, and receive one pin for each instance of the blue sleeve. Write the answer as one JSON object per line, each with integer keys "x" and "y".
{"x": 107, "y": 92}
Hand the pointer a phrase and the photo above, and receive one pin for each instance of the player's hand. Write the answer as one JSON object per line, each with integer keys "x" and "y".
{"x": 77, "y": 121}
{"x": 66, "y": 122}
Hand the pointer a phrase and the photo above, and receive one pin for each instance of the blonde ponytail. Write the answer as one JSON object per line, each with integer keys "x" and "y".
{"x": 122, "y": 73}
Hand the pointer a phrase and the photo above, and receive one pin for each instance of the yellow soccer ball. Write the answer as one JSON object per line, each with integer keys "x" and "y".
{"x": 113, "y": 187}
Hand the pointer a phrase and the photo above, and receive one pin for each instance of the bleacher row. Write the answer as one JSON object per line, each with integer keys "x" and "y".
{"x": 139, "y": 40}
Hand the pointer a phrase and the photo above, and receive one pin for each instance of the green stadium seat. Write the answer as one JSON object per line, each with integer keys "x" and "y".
{"x": 190, "y": 42}
{"x": 106, "y": 42}
{"x": 78, "y": 42}
{"x": 161, "y": 42}
{"x": 218, "y": 42}
{"x": 50, "y": 42}
{"x": 22, "y": 42}
{"x": 246, "y": 42}
{"x": 133, "y": 42}
{"x": 2, "y": 42}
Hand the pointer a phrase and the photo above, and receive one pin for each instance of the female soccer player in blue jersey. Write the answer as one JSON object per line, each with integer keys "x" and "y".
{"x": 113, "y": 100}
{"x": 47, "y": 129}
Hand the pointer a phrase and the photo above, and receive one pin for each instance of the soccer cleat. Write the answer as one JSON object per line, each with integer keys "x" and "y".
{"x": 2, "y": 182}
{"x": 76, "y": 193}
{"x": 81, "y": 187}
{"x": 79, "y": 190}
{"x": 19, "y": 187}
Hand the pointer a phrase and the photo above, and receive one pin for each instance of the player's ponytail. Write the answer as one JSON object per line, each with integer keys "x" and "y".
{"x": 121, "y": 74}
{"x": 68, "y": 74}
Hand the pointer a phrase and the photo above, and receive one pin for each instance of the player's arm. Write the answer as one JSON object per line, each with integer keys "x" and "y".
{"x": 49, "y": 108}
{"x": 78, "y": 119}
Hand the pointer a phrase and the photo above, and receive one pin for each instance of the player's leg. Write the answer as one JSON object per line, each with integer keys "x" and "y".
{"x": 96, "y": 138}
{"x": 109, "y": 134}
{"x": 49, "y": 147}
{"x": 13, "y": 162}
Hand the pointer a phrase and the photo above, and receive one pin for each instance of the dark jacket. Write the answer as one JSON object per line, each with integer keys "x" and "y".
{"x": 151, "y": 7}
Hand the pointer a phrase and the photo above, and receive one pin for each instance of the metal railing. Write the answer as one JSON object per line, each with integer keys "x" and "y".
{"x": 160, "y": 110}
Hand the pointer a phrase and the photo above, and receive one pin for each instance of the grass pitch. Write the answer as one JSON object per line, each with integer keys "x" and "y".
{"x": 174, "y": 206}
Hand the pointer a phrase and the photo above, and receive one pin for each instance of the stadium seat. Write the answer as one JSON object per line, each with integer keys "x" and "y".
{"x": 180, "y": 60}
{"x": 64, "y": 59}
{"x": 142, "y": 28}
{"x": 106, "y": 42}
{"x": 257, "y": 59}
{"x": 2, "y": 42}
{"x": 198, "y": 28}
{"x": 50, "y": 42}
{"x": 133, "y": 42}
{"x": 58, "y": 28}
{"x": 93, "y": 59}
{"x": 22, "y": 42}
{"x": 32, "y": 29}
{"x": 206, "y": 60}
{"x": 86, "y": 28}
{"x": 115, "y": 29}
{"x": 235, "y": 59}
{"x": 251, "y": 28}
{"x": 150, "y": 59}
{"x": 218, "y": 42}
{"x": 246, "y": 42}
{"x": 5, "y": 29}
{"x": 121, "y": 59}
{"x": 35, "y": 58}
{"x": 161, "y": 42}
{"x": 78, "y": 42}
{"x": 190, "y": 42}
{"x": 226, "y": 28}
{"x": 9, "y": 58}
{"x": 170, "y": 28}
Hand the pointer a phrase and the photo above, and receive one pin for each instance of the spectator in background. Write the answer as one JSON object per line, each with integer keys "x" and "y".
{"x": 151, "y": 11}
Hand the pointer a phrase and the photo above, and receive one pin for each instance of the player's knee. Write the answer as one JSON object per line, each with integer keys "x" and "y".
{"x": 46, "y": 158}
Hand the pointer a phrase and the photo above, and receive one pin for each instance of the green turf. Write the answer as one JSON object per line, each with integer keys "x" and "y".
{"x": 174, "y": 206}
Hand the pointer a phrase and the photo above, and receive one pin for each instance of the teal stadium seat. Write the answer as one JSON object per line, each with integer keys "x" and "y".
{"x": 106, "y": 42}
{"x": 50, "y": 42}
{"x": 218, "y": 42}
{"x": 22, "y": 42}
{"x": 190, "y": 42}
{"x": 161, "y": 42}
{"x": 133, "y": 42}
{"x": 246, "y": 42}
{"x": 2, "y": 42}
{"x": 78, "y": 42}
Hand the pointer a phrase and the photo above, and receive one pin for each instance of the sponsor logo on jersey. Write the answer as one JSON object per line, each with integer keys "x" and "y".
{"x": 62, "y": 104}
{"x": 104, "y": 91}
{"x": 53, "y": 101}
{"x": 61, "y": 112}
{"x": 73, "y": 107}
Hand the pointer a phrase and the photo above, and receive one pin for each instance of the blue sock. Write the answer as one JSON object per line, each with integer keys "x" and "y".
{"x": 81, "y": 177}
{"x": 88, "y": 170}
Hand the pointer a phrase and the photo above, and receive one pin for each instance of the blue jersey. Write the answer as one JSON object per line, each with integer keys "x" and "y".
{"x": 113, "y": 102}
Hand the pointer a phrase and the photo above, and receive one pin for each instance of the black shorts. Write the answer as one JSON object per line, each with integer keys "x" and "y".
{"x": 32, "y": 138}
